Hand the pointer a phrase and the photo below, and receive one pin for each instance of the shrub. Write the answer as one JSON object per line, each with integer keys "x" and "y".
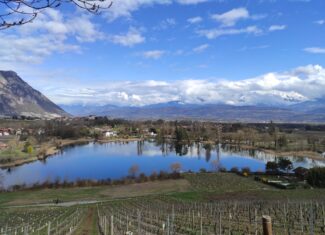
{"x": 245, "y": 171}
{"x": 272, "y": 166}
{"x": 176, "y": 167}
{"x": 223, "y": 169}
{"x": 162, "y": 175}
{"x": 285, "y": 164}
{"x": 234, "y": 170}
{"x": 142, "y": 178}
{"x": 153, "y": 176}
{"x": 133, "y": 170}
{"x": 316, "y": 177}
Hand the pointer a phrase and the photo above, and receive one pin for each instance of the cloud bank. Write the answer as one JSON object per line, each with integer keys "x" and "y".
{"x": 297, "y": 85}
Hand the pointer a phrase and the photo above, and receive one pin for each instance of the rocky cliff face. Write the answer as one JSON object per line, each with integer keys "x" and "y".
{"x": 19, "y": 98}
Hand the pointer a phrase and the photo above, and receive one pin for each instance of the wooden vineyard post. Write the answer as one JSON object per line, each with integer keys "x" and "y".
{"x": 105, "y": 225}
{"x": 311, "y": 220}
{"x": 267, "y": 225}
{"x": 168, "y": 225}
{"x": 201, "y": 227}
{"x": 139, "y": 222}
{"x": 127, "y": 223}
{"x": 112, "y": 225}
{"x": 255, "y": 218}
{"x": 49, "y": 229}
{"x": 301, "y": 220}
{"x": 220, "y": 228}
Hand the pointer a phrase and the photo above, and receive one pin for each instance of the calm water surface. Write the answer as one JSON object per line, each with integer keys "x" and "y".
{"x": 113, "y": 160}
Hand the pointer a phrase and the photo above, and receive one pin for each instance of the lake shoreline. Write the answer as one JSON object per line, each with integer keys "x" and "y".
{"x": 278, "y": 154}
{"x": 52, "y": 150}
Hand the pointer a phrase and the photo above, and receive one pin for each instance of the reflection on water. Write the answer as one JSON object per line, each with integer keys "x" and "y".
{"x": 113, "y": 160}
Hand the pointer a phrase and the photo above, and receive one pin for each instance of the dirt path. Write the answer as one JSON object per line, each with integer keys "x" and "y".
{"x": 89, "y": 225}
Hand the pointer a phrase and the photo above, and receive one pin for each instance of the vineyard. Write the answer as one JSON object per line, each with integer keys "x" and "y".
{"x": 165, "y": 216}
{"x": 210, "y": 208}
{"x": 40, "y": 221}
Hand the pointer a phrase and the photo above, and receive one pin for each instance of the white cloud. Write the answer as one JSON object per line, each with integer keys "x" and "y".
{"x": 201, "y": 48}
{"x": 131, "y": 38}
{"x": 154, "y": 54}
{"x": 246, "y": 48}
{"x": 194, "y": 20}
{"x": 84, "y": 29}
{"x": 51, "y": 32}
{"x": 299, "y": 84}
{"x": 230, "y": 18}
{"x": 30, "y": 50}
{"x": 315, "y": 50}
{"x": 124, "y": 8}
{"x": 165, "y": 24}
{"x": 320, "y": 22}
{"x": 277, "y": 27}
{"x": 188, "y": 2}
{"x": 217, "y": 32}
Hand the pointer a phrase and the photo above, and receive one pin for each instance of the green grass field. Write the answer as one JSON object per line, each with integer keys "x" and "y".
{"x": 198, "y": 187}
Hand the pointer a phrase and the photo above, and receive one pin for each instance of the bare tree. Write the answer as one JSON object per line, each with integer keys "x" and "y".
{"x": 19, "y": 12}
{"x": 216, "y": 165}
{"x": 134, "y": 169}
{"x": 176, "y": 167}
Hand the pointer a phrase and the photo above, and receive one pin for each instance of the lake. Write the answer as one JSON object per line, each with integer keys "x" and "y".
{"x": 113, "y": 160}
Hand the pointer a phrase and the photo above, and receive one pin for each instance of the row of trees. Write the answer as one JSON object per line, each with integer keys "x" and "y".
{"x": 266, "y": 136}
{"x": 135, "y": 169}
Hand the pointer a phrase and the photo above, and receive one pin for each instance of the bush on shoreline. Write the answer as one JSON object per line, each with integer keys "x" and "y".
{"x": 316, "y": 177}
{"x": 162, "y": 175}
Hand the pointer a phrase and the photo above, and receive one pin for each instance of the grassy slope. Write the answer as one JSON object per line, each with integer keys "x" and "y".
{"x": 93, "y": 193}
{"x": 221, "y": 186}
{"x": 227, "y": 186}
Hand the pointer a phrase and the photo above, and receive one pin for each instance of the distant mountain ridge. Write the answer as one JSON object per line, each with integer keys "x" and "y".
{"x": 19, "y": 98}
{"x": 316, "y": 106}
{"x": 217, "y": 112}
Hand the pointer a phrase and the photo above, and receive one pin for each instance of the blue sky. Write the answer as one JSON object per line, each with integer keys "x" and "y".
{"x": 141, "y": 52}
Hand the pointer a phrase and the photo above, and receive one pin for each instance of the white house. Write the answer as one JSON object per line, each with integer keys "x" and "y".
{"x": 4, "y": 132}
{"x": 152, "y": 134}
{"x": 40, "y": 131}
{"x": 110, "y": 134}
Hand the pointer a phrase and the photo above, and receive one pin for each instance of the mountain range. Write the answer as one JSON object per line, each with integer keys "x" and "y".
{"x": 17, "y": 98}
{"x": 311, "y": 111}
